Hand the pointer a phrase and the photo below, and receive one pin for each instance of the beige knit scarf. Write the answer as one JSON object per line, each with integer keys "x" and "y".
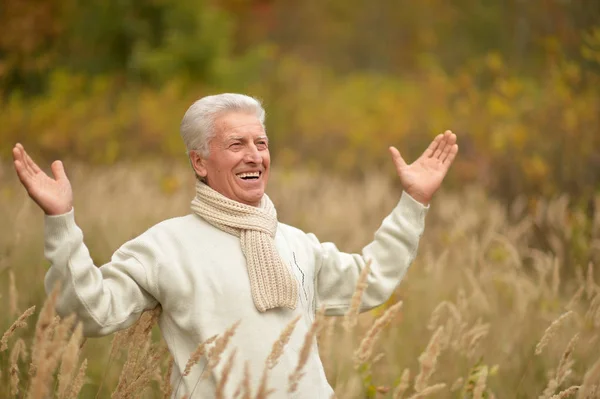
{"x": 271, "y": 281}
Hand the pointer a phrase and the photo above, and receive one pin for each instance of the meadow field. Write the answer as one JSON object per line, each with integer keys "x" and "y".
{"x": 502, "y": 301}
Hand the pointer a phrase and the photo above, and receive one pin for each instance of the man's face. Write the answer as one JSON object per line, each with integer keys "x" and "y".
{"x": 239, "y": 159}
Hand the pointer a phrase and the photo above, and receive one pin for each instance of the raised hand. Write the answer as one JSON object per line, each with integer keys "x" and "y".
{"x": 53, "y": 195}
{"x": 422, "y": 178}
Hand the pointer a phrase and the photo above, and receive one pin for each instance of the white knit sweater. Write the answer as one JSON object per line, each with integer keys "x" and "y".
{"x": 198, "y": 274}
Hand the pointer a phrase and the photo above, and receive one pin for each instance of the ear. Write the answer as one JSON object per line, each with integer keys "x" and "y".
{"x": 198, "y": 163}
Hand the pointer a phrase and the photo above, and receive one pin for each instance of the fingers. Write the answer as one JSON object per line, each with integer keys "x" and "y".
{"x": 58, "y": 170}
{"x": 451, "y": 155}
{"x": 443, "y": 144}
{"x": 32, "y": 165}
{"x": 397, "y": 158}
{"x": 433, "y": 146}
{"x": 18, "y": 157}
{"x": 23, "y": 157}
{"x": 22, "y": 171}
{"x": 450, "y": 140}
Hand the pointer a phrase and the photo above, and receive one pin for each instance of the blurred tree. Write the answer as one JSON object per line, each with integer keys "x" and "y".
{"x": 31, "y": 30}
{"x": 518, "y": 80}
{"x": 141, "y": 41}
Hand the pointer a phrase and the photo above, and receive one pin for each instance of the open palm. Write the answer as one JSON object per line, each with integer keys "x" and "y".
{"x": 53, "y": 195}
{"x": 423, "y": 178}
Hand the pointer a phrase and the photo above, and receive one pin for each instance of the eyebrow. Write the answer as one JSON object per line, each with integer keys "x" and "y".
{"x": 240, "y": 138}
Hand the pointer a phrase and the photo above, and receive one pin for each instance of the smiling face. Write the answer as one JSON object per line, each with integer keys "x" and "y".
{"x": 238, "y": 162}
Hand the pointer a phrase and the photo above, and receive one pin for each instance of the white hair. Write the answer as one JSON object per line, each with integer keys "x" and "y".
{"x": 198, "y": 124}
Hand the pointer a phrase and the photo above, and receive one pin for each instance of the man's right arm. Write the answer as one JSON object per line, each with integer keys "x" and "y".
{"x": 105, "y": 299}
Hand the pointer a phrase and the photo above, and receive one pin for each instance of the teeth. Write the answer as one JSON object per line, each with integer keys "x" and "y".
{"x": 251, "y": 174}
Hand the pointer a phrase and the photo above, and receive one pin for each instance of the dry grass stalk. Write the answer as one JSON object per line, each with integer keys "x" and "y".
{"x": 18, "y": 351}
{"x": 69, "y": 361}
{"x": 326, "y": 342}
{"x": 280, "y": 344}
{"x": 593, "y": 313}
{"x": 563, "y": 370}
{"x": 246, "y": 383}
{"x": 19, "y": 323}
{"x": 551, "y": 331}
{"x": 462, "y": 303}
{"x": 220, "y": 391}
{"x": 377, "y": 358}
{"x": 382, "y": 389}
{"x": 575, "y": 298}
{"x": 275, "y": 354}
{"x": 590, "y": 284}
{"x": 243, "y": 387}
{"x": 428, "y": 391}
{"x": 78, "y": 381}
{"x": 472, "y": 338}
{"x": 13, "y": 299}
{"x": 438, "y": 311}
{"x": 453, "y": 332}
{"x": 402, "y": 385}
{"x": 43, "y": 328}
{"x": 555, "y": 277}
{"x": 566, "y": 393}
{"x": 579, "y": 277}
{"x": 591, "y": 382}
{"x": 428, "y": 360}
{"x": 365, "y": 348}
{"x": 197, "y": 355}
{"x": 60, "y": 338}
{"x": 142, "y": 357}
{"x": 566, "y": 361}
{"x": 165, "y": 383}
{"x": 436, "y": 315}
{"x": 550, "y": 389}
{"x": 309, "y": 339}
{"x": 479, "y": 388}
{"x": 478, "y": 295}
{"x": 214, "y": 355}
{"x": 457, "y": 384}
{"x": 146, "y": 373}
{"x": 263, "y": 389}
{"x": 120, "y": 340}
{"x": 351, "y": 317}
{"x": 48, "y": 357}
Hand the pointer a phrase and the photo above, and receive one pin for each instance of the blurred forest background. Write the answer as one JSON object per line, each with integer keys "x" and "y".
{"x": 518, "y": 81}
{"x": 512, "y": 243}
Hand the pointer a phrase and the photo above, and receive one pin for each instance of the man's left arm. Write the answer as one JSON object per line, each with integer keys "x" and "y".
{"x": 391, "y": 252}
{"x": 396, "y": 241}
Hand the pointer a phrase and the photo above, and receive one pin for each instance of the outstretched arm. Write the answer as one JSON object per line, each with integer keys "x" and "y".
{"x": 391, "y": 252}
{"x": 105, "y": 299}
{"x": 395, "y": 243}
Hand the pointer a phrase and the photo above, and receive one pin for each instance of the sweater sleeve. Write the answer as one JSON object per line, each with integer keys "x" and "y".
{"x": 105, "y": 299}
{"x": 391, "y": 252}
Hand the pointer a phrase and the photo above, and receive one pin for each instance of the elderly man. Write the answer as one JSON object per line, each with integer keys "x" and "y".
{"x": 230, "y": 260}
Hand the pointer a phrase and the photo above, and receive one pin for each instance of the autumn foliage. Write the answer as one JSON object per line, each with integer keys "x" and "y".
{"x": 104, "y": 81}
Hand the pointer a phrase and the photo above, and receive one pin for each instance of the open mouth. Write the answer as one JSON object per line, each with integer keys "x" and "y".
{"x": 249, "y": 176}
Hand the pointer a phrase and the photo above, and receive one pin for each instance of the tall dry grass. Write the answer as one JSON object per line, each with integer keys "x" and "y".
{"x": 501, "y": 301}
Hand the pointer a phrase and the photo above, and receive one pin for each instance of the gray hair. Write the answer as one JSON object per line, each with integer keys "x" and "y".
{"x": 198, "y": 124}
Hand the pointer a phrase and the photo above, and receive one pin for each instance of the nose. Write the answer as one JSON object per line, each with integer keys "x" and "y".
{"x": 252, "y": 155}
